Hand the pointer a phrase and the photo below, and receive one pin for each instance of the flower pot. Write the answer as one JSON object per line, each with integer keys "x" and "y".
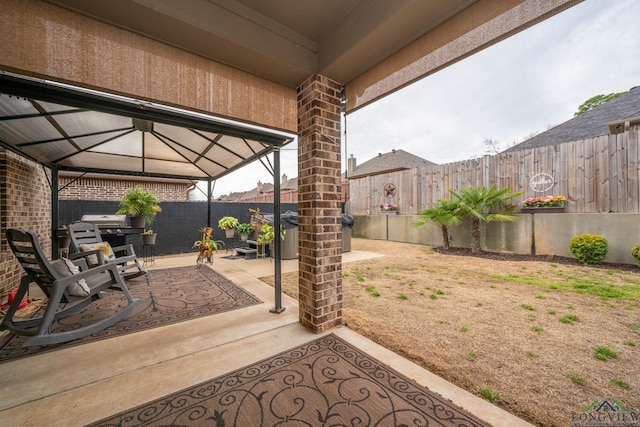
{"x": 149, "y": 239}
{"x": 244, "y": 237}
{"x": 229, "y": 232}
{"x": 137, "y": 221}
{"x": 388, "y": 212}
{"x": 64, "y": 242}
{"x": 543, "y": 209}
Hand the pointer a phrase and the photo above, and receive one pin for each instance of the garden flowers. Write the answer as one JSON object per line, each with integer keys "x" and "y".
{"x": 386, "y": 207}
{"x": 545, "y": 201}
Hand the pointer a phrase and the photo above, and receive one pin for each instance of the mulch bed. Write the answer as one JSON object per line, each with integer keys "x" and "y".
{"x": 537, "y": 258}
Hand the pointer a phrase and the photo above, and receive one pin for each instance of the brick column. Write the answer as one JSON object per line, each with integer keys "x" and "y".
{"x": 319, "y": 215}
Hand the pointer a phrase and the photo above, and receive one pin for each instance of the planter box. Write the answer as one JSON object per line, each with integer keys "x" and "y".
{"x": 388, "y": 212}
{"x": 149, "y": 239}
{"x": 550, "y": 209}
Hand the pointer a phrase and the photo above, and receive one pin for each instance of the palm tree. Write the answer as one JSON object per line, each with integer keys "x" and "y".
{"x": 485, "y": 204}
{"x": 445, "y": 213}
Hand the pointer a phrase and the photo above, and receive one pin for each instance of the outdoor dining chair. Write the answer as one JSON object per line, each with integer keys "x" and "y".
{"x": 70, "y": 286}
{"x": 86, "y": 236}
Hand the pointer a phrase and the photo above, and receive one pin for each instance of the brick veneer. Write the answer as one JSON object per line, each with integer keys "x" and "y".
{"x": 25, "y": 202}
{"x": 319, "y": 221}
{"x": 110, "y": 188}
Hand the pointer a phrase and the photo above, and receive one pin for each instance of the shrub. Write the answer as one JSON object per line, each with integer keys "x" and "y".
{"x": 635, "y": 252}
{"x": 589, "y": 248}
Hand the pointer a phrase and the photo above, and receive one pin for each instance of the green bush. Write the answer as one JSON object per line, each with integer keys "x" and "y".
{"x": 589, "y": 248}
{"x": 635, "y": 252}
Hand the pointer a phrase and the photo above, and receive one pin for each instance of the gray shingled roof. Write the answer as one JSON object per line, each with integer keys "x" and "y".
{"x": 389, "y": 162}
{"x": 588, "y": 125}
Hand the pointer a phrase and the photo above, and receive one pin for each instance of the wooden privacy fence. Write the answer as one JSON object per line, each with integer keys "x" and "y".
{"x": 596, "y": 175}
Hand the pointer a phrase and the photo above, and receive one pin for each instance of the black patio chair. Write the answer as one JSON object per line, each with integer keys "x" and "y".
{"x": 69, "y": 290}
{"x": 86, "y": 236}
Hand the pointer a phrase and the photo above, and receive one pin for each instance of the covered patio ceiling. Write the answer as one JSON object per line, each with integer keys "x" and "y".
{"x": 76, "y": 129}
{"x": 284, "y": 41}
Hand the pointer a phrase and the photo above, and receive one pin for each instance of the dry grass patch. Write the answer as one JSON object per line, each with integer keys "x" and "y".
{"x": 526, "y": 331}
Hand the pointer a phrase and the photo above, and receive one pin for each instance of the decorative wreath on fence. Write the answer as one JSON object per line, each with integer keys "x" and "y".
{"x": 389, "y": 190}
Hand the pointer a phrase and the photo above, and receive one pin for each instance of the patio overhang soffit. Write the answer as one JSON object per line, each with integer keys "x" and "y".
{"x": 77, "y": 129}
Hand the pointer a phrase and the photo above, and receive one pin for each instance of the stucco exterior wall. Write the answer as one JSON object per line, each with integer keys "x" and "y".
{"x": 44, "y": 40}
{"x": 542, "y": 234}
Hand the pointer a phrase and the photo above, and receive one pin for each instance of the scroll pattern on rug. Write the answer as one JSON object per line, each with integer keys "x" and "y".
{"x": 326, "y": 382}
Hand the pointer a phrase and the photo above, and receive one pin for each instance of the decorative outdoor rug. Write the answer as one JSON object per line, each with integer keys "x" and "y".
{"x": 173, "y": 295}
{"x": 326, "y": 382}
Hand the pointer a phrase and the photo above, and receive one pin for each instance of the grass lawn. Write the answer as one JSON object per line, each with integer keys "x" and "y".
{"x": 542, "y": 339}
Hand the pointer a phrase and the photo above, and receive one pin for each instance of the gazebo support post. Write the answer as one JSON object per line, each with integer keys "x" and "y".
{"x": 55, "y": 212}
{"x": 277, "y": 241}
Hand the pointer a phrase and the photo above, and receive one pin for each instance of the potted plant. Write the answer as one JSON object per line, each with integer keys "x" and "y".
{"x": 244, "y": 230}
{"x": 141, "y": 205}
{"x": 149, "y": 237}
{"x": 228, "y": 224}
{"x": 257, "y": 219}
{"x": 267, "y": 235}
{"x": 545, "y": 204}
{"x": 64, "y": 240}
{"x": 388, "y": 209}
{"x": 206, "y": 248}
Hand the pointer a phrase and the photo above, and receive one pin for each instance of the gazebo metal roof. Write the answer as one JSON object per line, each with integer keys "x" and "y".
{"x": 72, "y": 128}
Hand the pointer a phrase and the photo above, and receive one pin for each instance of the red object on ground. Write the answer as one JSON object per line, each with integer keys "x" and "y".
{"x": 10, "y": 296}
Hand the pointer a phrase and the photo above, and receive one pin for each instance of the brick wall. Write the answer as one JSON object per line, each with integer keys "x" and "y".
{"x": 25, "y": 202}
{"x": 108, "y": 188}
{"x": 319, "y": 210}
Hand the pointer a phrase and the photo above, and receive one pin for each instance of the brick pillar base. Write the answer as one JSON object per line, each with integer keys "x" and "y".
{"x": 319, "y": 215}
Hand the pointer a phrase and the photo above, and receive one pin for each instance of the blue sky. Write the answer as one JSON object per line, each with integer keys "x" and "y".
{"x": 526, "y": 83}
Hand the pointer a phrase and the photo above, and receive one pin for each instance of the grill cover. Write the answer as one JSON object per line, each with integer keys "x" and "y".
{"x": 105, "y": 220}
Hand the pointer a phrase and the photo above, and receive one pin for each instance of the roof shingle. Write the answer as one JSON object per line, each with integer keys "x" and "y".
{"x": 389, "y": 162}
{"x": 588, "y": 125}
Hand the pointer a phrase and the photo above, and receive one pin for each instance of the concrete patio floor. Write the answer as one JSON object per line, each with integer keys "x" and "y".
{"x": 83, "y": 384}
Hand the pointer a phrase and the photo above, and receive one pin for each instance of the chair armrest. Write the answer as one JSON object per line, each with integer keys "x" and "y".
{"x": 81, "y": 263}
{"x": 127, "y": 249}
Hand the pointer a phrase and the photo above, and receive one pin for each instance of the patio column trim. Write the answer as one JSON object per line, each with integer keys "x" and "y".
{"x": 319, "y": 214}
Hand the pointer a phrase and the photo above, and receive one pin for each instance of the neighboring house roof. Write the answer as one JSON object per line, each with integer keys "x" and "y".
{"x": 259, "y": 191}
{"x": 289, "y": 185}
{"x": 389, "y": 162}
{"x": 588, "y": 125}
{"x": 231, "y": 197}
